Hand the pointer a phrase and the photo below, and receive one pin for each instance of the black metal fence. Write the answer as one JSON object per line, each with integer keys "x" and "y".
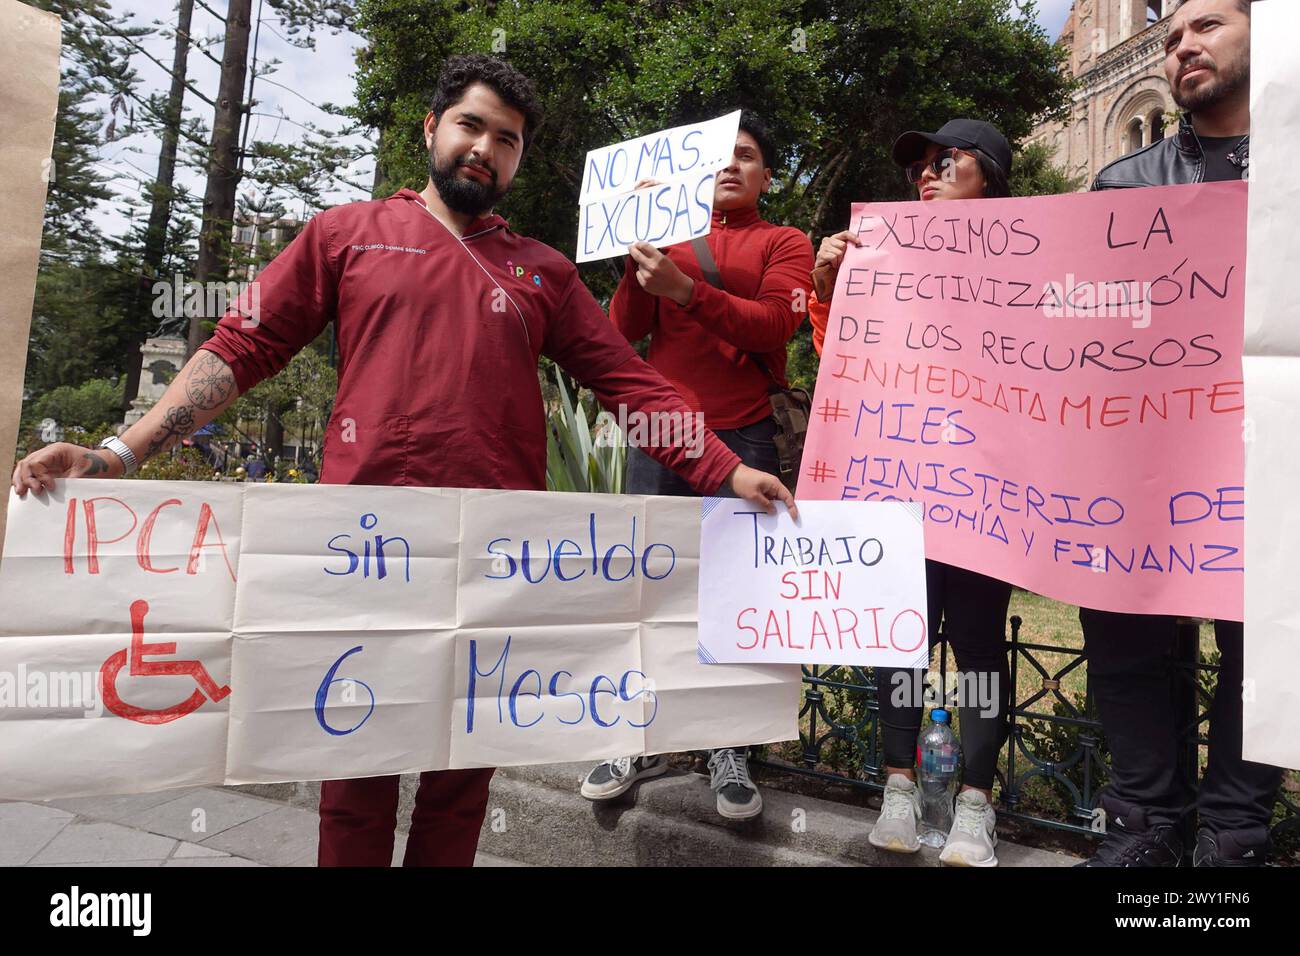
{"x": 1052, "y": 739}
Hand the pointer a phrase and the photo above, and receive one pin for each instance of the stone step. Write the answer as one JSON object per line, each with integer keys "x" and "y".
{"x": 537, "y": 816}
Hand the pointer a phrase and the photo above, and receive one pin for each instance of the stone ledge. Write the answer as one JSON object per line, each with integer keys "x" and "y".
{"x": 672, "y": 821}
{"x": 668, "y": 821}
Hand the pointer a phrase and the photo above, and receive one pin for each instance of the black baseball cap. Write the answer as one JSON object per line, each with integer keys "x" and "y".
{"x": 962, "y": 133}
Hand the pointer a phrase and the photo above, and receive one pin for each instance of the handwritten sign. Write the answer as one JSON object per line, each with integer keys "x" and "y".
{"x": 684, "y": 161}
{"x": 1057, "y": 381}
{"x": 167, "y": 634}
{"x": 846, "y": 585}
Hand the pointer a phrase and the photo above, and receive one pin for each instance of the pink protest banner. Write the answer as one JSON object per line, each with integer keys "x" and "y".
{"x": 1058, "y": 381}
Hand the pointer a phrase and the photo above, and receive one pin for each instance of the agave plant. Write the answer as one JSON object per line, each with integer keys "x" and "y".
{"x": 575, "y": 459}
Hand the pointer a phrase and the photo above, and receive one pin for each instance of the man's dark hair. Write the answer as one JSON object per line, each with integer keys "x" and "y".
{"x": 1242, "y": 5}
{"x": 459, "y": 73}
{"x": 997, "y": 184}
{"x": 753, "y": 124}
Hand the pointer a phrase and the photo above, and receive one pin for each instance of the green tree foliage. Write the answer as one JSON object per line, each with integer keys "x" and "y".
{"x": 837, "y": 81}
{"x": 88, "y": 406}
{"x": 93, "y": 63}
{"x": 316, "y": 160}
{"x": 1036, "y": 176}
{"x": 81, "y": 294}
{"x": 77, "y": 321}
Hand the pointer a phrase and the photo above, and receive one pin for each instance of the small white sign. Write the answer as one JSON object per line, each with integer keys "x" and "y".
{"x": 845, "y": 585}
{"x": 683, "y": 161}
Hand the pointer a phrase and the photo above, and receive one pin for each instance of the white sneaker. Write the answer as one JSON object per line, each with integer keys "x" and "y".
{"x": 895, "y": 830}
{"x": 972, "y": 837}
{"x": 613, "y": 777}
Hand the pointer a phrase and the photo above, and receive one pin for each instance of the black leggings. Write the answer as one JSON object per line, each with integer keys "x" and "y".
{"x": 973, "y": 611}
{"x": 1132, "y": 676}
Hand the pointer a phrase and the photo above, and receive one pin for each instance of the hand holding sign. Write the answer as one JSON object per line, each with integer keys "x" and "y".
{"x": 39, "y": 470}
{"x": 761, "y": 489}
{"x": 829, "y": 257}
{"x": 659, "y": 275}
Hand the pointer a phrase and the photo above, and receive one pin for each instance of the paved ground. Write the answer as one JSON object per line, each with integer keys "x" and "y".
{"x": 205, "y": 826}
{"x": 671, "y": 820}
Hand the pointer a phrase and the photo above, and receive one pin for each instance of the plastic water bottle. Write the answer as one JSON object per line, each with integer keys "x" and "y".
{"x": 938, "y": 755}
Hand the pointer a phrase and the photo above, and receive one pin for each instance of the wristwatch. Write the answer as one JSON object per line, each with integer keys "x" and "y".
{"x": 122, "y": 450}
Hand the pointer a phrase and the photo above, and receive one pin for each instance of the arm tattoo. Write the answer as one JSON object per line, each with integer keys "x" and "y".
{"x": 210, "y": 381}
{"x": 94, "y": 465}
{"x": 177, "y": 423}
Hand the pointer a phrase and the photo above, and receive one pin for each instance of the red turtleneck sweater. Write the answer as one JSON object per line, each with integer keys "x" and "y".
{"x": 701, "y": 348}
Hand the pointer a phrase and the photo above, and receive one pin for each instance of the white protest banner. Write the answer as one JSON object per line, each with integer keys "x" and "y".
{"x": 167, "y": 634}
{"x": 1270, "y": 695}
{"x": 684, "y": 161}
{"x": 845, "y": 585}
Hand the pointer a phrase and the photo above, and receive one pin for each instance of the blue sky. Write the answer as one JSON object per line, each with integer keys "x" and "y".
{"x": 313, "y": 77}
{"x": 1052, "y": 14}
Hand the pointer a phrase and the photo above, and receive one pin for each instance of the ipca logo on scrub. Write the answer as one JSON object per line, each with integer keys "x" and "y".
{"x": 519, "y": 272}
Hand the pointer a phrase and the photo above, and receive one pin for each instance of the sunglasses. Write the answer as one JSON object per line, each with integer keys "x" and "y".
{"x": 942, "y": 161}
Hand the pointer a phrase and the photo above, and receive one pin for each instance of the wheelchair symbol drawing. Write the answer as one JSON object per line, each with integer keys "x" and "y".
{"x": 139, "y": 667}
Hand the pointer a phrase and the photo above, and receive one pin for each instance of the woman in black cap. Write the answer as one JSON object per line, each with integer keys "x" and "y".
{"x": 966, "y": 159}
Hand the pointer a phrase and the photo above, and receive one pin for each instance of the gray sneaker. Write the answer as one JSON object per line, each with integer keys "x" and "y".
{"x": 972, "y": 837}
{"x": 895, "y": 829}
{"x": 613, "y": 777}
{"x": 738, "y": 798}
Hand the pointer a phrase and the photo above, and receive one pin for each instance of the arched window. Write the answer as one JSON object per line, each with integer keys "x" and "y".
{"x": 1155, "y": 11}
{"x": 1133, "y": 137}
{"x": 1156, "y": 121}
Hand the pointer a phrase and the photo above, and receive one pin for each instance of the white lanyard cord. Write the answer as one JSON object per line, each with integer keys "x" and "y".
{"x": 522, "y": 321}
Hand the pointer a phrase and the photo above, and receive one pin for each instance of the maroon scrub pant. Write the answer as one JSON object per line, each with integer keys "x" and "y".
{"x": 358, "y": 819}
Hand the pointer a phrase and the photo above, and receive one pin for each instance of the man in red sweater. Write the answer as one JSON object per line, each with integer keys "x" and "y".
{"x": 439, "y": 333}
{"x": 722, "y": 349}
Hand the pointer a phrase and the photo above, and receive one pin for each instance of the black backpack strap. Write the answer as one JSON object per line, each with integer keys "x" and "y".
{"x": 709, "y": 266}
{"x": 791, "y": 407}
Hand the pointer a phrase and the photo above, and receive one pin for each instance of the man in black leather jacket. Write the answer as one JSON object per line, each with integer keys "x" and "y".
{"x": 1130, "y": 656}
{"x": 1173, "y": 161}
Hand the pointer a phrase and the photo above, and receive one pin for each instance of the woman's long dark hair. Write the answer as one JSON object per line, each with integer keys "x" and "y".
{"x": 996, "y": 183}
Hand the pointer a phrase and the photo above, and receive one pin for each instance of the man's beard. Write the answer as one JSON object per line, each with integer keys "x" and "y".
{"x": 1224, "y": 83}
{"x": 459, "y": 193}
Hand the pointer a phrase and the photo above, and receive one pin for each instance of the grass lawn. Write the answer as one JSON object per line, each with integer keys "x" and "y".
{"x": 1044, "y": 621}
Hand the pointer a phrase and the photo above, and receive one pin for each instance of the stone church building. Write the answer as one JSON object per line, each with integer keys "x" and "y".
{"x": 1116, "y": 51}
